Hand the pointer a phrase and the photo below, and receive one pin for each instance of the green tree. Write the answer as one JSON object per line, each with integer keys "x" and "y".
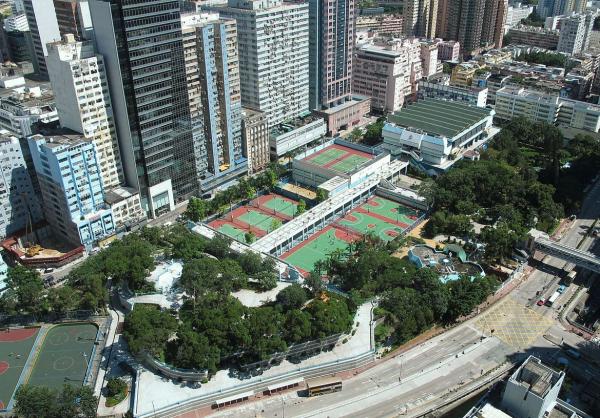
{"x": 194, "y": 351}
{"x": 301, "y": 207}
{"x": 373, "y": 134}
{"x": 219, "y": 246}
{"x": 202, "y": 275}
{"x": 328, "y": 318}
{"x": 355, "y": 135}
{"x": 250, "y": 262}
{"x": 148, "y": 329}
{"x": 275, "y": 224}
{"x": 232, "y": 272}
{"x": 40, "y": 401}
{"x": 499, "y": 241}
{"x": 249, "y": 237}
{"x": 115, "y": 386}
{"x": 26, "y": 287}
{"x": 62, "y": 299}
{"x": 292, "y": 297}
{"x": 196, "y": 209}
{"x": 314, "y": 282}
{"x": 321, "y": 195}
{"x": 265, "y": 280}
{"x": 297, "y": 327}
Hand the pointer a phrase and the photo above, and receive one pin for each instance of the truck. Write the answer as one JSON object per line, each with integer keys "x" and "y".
{"x": 552, "y": 299}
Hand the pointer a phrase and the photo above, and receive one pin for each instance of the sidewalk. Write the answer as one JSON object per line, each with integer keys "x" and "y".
{"x": 106, "y": 364}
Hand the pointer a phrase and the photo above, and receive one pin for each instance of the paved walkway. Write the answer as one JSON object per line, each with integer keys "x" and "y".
{"x": 107, "y": 367}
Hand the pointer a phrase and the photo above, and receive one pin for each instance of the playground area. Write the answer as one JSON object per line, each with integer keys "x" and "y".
{"x": 318, "y": 247}
{"x": 64, "y": 355}
{"x": 339, "y": 158}
{"x": 259, "y": 217}
{"x": 382, "y": 217}
{"x": 15, "y": 348}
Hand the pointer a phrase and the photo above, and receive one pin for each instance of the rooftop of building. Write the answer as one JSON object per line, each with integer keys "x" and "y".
{"x": 119, "y": 194}
{"x": 438, "y": 117}
{"x": 33, "y": 93}
{"x": 538, "y": 377}
{"x": 534, "y": 29}
{"x": 60, "y": 140}
{"x": 292, "y": 124}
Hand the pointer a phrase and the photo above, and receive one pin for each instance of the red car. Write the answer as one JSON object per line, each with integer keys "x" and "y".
{"x": 541, "y": 302}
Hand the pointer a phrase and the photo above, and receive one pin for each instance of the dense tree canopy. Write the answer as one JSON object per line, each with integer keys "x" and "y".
{"x": 40, "y": 401}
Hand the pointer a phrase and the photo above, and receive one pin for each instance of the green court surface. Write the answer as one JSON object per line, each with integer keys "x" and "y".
{"x": 13, "y": 357}
{"x": 391, "y": 210}
{"x": 350, "y": 163}
{"x": 233, "y": 232}
{"x": 318, "y": 247}
{"x": 327, "y": 156}
{"x": 258, "y": 220}
{"x": 64, "y": 355}
{"x": 367, "y": 224}
{"x": 281, "y": 205}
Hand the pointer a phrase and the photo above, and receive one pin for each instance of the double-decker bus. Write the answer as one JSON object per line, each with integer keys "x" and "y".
{"x": 323, "y": 385}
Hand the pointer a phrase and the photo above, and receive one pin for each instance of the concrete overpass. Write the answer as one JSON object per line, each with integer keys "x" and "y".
{"x": 540, "y": 241}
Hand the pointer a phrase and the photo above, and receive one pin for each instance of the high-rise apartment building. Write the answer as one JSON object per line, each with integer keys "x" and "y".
{"x": 388, "y": 73}
{"x": 15, "y": 23}
{"x": 43, "y": 28}
{"x": 68, "y": 172}
{"x": 81, "y": 95}
{"x": 420, "y": 18}
{"x": 549, "y": 8}
{"x": 19, "y": 204}
{"x": 142, "y": 46}
{"x": 332, "y": 25}
{"x": 213, "y": 78}
{"x": 273, "y": 55}
{"x": 255, "y": 132}
{"x": 429, "y": 58}
{"x": 475, "y": 23}
{"x": 575, "y": 33}
{"x": 448, "y": 50}
{"x": 73, "y": 17}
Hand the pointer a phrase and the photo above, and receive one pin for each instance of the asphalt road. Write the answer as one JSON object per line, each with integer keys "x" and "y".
{"x": 403, "y": 384}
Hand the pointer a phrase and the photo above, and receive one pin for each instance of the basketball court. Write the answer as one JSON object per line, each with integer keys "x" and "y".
{"x": 305, "y": 255}
{"x": 15, "y": 347}
{"x": 64, "y": 355}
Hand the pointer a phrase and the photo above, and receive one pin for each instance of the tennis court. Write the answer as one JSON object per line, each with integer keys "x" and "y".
{"x": 281, "y": 206}
{"x": 15, "y": 347}
{"x": 231, "y": 231}
{"x": 365, "y": 224}
{"x": 261, "y": 216}
{"x": 64, "y": 355}
{"x": 318, "y": 247}
{"x": 339, "y": 158}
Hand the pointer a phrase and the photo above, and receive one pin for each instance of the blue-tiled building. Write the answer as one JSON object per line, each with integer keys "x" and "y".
{"x": 72, "y": 191}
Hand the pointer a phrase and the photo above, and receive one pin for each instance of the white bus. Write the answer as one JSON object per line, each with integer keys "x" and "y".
{"x": 552, "y": 299}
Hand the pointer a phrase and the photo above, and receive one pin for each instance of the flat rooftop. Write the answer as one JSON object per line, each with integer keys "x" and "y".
{"x": 339, "y": 158}
{"x": 438, "y": 117}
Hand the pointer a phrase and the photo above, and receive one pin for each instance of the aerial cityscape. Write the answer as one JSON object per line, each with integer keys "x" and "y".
{"x": 299, "y": 208}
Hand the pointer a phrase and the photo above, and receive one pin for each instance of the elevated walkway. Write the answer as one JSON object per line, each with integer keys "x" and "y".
{"x": 541, "y": 242}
